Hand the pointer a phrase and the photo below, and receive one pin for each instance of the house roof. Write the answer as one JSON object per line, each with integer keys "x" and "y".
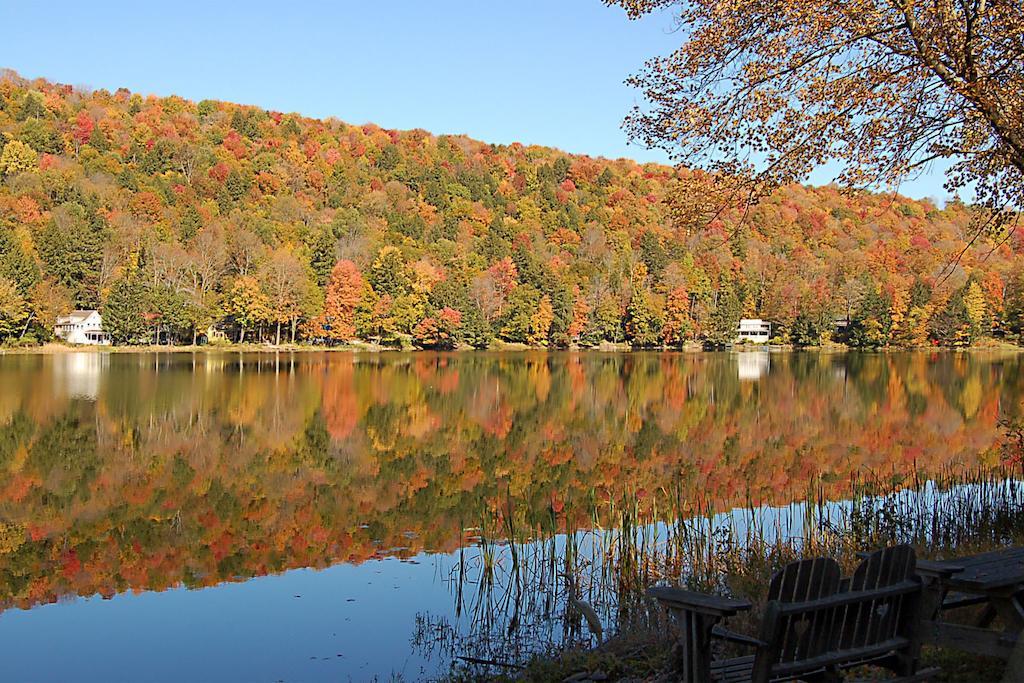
{"x": 75, "y": 317}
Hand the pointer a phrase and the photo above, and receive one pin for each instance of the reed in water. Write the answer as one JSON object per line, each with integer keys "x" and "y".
{"x": 535, "y": 588}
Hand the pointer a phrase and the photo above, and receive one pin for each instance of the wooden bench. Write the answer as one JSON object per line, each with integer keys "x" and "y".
{"x": 815, "y": 625}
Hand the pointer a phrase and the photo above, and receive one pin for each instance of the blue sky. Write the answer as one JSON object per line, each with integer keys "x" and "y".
{"x": 546, "y": 72}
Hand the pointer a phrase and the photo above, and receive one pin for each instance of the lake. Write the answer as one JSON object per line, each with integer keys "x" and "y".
{"x": 220, "y": 516}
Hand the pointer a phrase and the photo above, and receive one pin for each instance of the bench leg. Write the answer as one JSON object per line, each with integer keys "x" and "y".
{"x": 1012, "y": 612}
{"x": 694, "y": 655}
{"x": 987, "y": 616}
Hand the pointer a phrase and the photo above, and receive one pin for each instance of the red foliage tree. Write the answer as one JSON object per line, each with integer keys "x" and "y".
{"x": 344, "y": 290}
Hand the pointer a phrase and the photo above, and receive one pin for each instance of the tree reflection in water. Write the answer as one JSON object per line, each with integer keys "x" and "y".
{"x": 146, "y": 472}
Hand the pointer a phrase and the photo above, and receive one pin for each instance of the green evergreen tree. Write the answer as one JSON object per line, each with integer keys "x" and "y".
{"x": 531, "y": 272}
{"x": 809, "y": 330}
{"x": 237, "y": 184}
{"x": 603, "y": 324}
{"x": 72, "y": 250}
{"x": 173, "y": 313}
{"x": 493, "y": 247}
{"x": 952, "y": 326}
{"x": 41, "y": 136}
{"x": 725, "y": 318}
{"x": 16, "y": 265}
{"x": 98, "y": 140}
{"x": 189, "y": 223}
{"x": 389, "y": 273}
{"x": 561, "y": 305}
{"x": 515, "y": 322}
{"x": 322, "y": 256}
{"x": 475, "y": 330}
{"x": 32, "y": 107}
{"x": 643, "y": 328}
{"x": 122, "y": 311}
{"x": 920, "y": 293}
{"x": 871, "y": 322}
{"x": 452, "y": 292}
{"x": 1013, "y": 308}
{"x": 653, "y": 254}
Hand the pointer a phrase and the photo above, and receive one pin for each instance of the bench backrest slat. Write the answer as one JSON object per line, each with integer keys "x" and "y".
{"x": 879, "y": 619}
{"x": 796, "y": 636}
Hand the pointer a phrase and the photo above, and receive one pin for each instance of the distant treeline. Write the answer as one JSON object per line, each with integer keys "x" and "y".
{"x": 174, "y": 217}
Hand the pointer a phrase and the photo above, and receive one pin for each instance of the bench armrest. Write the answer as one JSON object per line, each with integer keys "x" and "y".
{"x": 716, "y": 605}
{"x": 937, "y": 570}
{"x": 733, "y": 637}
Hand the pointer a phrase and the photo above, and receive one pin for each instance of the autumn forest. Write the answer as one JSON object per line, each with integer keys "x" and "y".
{"x": 190, "y": 221}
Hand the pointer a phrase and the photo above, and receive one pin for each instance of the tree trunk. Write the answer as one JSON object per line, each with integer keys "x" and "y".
{"x": 27, "y": 323}
{"x": 241, "y": 335}
{"x": 277, "y": 339}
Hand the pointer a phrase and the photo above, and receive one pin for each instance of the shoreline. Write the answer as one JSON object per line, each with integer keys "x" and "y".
{"x": 50, "y": 349}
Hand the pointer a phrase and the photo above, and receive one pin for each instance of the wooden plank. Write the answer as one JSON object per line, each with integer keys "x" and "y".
{"x": 851, "y": 598}
{"x": 840, "y": 657}
{"x": 734, "y": 637}
{"x": 958, "y": 600}
{"x": 734, "y": 664}
{"x": 981, "y": 641}
{"x": 986, "y": 583}
{"x": 982, "y": 559}
{"x": 983, "y": 572}
{"x": 923, "y": 675}
{"x": 733, "y": 670}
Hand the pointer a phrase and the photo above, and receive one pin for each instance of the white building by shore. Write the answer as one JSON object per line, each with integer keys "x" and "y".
{"x": 755, "y": 330}
{"x": 82, "y": 327}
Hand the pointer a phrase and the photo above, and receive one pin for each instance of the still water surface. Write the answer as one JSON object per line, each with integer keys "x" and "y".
{"x": 299, "y": 517}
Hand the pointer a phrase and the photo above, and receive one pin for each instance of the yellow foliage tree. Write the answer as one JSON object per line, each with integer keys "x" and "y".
{"x": 13, "y": 309}
{"x": 898, "y": 312}
{"x": 17, "y": 157}
{"x": 540, "y": 323}
{"x": 974, "y": 302}
{"x": 247, "y": 302}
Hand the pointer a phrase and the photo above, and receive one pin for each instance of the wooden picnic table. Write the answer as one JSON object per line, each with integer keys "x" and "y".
{"x": 994, "y": 579}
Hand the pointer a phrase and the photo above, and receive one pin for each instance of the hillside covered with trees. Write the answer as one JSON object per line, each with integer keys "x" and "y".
{"x": 173, "y": 216}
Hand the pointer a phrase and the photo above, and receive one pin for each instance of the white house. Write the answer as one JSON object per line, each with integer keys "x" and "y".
{"x": 82, "y": 327}
{"x": 755, "y": 330}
